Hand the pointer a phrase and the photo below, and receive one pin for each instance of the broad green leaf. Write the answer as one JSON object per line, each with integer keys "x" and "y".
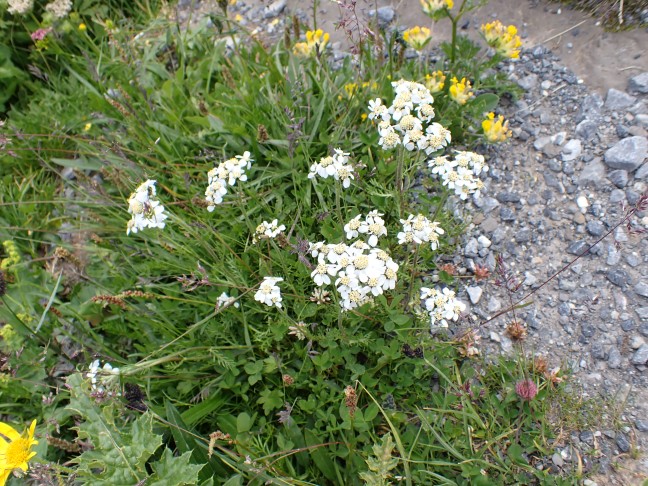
{"x": 176, "y": 470}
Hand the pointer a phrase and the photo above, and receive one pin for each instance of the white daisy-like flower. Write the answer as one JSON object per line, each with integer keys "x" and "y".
{"x": 351, "y": 228}
{"x": 101, "y": 376}
{"x": 322, "y": 274}
{"x": 377, "y": 110}
{"x": 268, "y": 231}
{"x": 226, "y": 174}
{"x": 269, "y": 292}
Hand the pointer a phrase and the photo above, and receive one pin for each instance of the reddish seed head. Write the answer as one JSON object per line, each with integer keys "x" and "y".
{"x": 526, "y": 389}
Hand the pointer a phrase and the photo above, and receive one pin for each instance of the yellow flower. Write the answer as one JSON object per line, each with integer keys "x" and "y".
{"x": 350, "y": 89}
{"x": 496, "y": 130}
{"x": 87, "y": 127}
{"x": 238, "y": 18}
{"x": 15, "y": 449}
{"x": 503, "y": 39}
{"x": 417, "y": 37}
{"x": 430, "y": 7}
{"x": 460, "y": 90}
{"x": 82, "y": 27}
{"x": 435, "y": 81}
{"x": 316, "y": 41}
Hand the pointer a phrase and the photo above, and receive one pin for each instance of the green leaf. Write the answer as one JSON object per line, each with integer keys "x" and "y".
{"x": 243, "y": 422}
{"x": 484, "y": 103}
{"x": 320, "y": 457}
{"x": 81, "y": 163}
{"x": 120, "y": 451}
{"x": 172, "y": 469}
{"x": 515, "y": 454}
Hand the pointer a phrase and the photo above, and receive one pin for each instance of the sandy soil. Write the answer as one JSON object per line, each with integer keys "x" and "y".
{"x": 602, "y": 59}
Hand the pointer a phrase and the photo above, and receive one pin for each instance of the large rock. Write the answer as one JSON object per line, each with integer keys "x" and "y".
{"x": 628, "y": 154}
{"x": 639, "y": 83}
{"x": 618, "y": 100}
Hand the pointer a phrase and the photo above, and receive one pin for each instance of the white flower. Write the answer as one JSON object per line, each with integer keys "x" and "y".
{"x": 59, "y": 8}
{"x": 146, "y": 212}
{"x": 335, "y": 166}
{"x": 437, "y": 137}
{"x": 419, "y": 229}
{"x": 20, "y": 7}
{"x": 374, "y": 227}
{"x": 351, "y": 228}
{"x": 269, "y": 293}
{"x": 225, "y": 300}
{"x": 268, "y": 231}
{"x": 441, "y": 306}
{"x": 225, "y": 174}
{"x": 377, "y": 110}
{"x": 101, "y": 375}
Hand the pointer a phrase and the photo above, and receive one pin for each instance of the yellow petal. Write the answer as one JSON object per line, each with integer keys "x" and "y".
{"x": 9, "y": 432}
{"x": 3, "y": 476}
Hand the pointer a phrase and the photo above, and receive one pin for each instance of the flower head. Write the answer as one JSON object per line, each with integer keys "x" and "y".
{"x": 146, "y": 211}
{"x": 59, "y": 8}
{"x": 503, "y": 39}
{"x": 336, "y": 166}
{"x": 496, "y": 130}
{"x": 268, "y": 231}
{"x": 15, "y": 449}
{"x": 224, "y": 175}
{"x": 19, "y": 7}
{"x": 526, "y": 389}
{"x": 269, "y": 292}
{"x": 460, "y": 90}
{"x": 435, "y": 81}
{"x": 316, "y": 41}
{"x": 430, "y": 7}
{"x": 417, "y": 37}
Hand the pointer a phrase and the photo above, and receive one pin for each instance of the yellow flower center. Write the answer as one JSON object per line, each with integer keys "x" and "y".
{"x": 17, "y": 453}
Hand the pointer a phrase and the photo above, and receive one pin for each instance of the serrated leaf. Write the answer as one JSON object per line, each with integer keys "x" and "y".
{"x": 176, "y": 470}
{"x": 120, "y": 452}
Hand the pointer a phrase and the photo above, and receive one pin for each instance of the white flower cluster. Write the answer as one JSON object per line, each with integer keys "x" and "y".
{"x": 59, "y": 8}
{"x": 372, "y": 227}
{"x": 269, "y": 292}
{"x": 146, "y": 211}
{"x": 408, "y": 121}
{"x": 225, "y": 300}
{"x": 362, "y": 272}
{"x": 226, "y": 174}
{"x": 419, "y": 229}
{"x": 461, "y": 174}
{"x": 104, "y": 375}
{"x": 267, "y": 231}
{"x": 19, "y": 7}
{"x": 336, "y": 166}
{"x": 441, "y": 306}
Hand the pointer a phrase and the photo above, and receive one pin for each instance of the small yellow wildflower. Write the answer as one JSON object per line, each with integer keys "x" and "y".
{"x": 363, "y": 116}
{"x": 430, "y": 7}
{"x": 351, "y": 89}
{"x": 435, "y": 81}
{"x": 496, "y": 130}
{"x": 503, "y": 39}
{"x": 238, "y": 18}
{"x": 15, "y": 449}
{"x": 417, "y": 37}
{"x": 316, "y": 41}
{"x": 460, "y": 90}
{"x": 82, "y": 27}
{"x": 87, "y": 127}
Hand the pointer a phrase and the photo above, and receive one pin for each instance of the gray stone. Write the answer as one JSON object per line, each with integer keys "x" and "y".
{"x": 614, "y": 358}
{"x": 628, "y": 325}
{"x": 541, "y": 142}
{"x": 616, "y": 196}
{"x": 595, "y": 227}
{"x": 586, "y": 129}
{"x": 627, "y": 154}
{"x": 642, "y": 120}
{"x": 618, "y": 277}
{"x": 622, "y": 443}
{"x": 577, "y": 247}
{"x": 639, "y": 83}
{"x": 494, "y": 305}
{"x": 474, "y": 293}
{"x": 385, "y": 15}
{"x": 523, "y": 235}
{"x": 641, "y": 425}
{"x": 507, "y": 214}
{"x": 274, "y": 9}
{"x": 572, "y": 150}
{"x": 568, "y": 167}
{"x": 619, "y": 177}
{"x": 640, "y": 356}
{"x": 489, "y": 225}
{"x": 642, "y": 312}
{"x": 587, "y": 437}
{"x": 557, "y": 460}
{"x": 508, "y": 197}
{"x": 598, "y": 351}
{"x": 643, "y": 329}
{"x": 528, "y": 82}
{"x": 642, "y": 172}
{"x": 587, "y": 330}
{"x": 641, "y": 289}
{"x": 618, "y": 100}
{"x": 552, "y": 181}
{"x": 593, "y": 173}
{"x": 591, "y": 106}
{"x": 471, "y": 249}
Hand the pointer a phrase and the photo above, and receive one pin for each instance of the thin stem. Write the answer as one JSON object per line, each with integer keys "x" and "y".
{"x": 413, "y": 272}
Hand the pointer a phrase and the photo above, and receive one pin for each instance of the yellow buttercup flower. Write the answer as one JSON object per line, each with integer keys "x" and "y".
{"x": 82, "y": 27}
{"x": 496, "y": 130}
{"x": 15, "y": 449}
{"x": 503, "y": 39}
{"x": 460, "y": 90}
{"x": 316, "y": 41}
{"x": 435, "y": 81}
{"x": 417, "y": 37}
{"x": 87, "y": 127}
{"x": 430, "y": 7}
